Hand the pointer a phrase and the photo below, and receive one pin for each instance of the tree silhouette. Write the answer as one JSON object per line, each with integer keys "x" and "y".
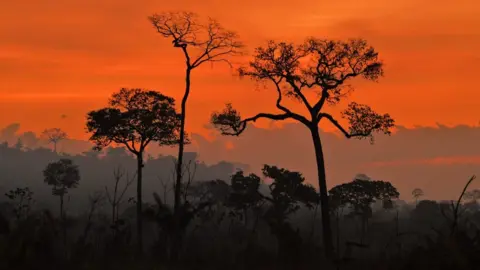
{"x": 54, "y": 135}
{"x": 115, "y": 197}
{"x": 62, "y": 175}
{"x": 244, "y": 194}
{"x": 360, "y": 194}
{"x": 288, "y": 190}
{"x": 321, "y": 69}
{"x": 417, "y": 193}
{"x": 21, "y": 200}
{"x": 135, "y": 118}
{"x": 287, "y": 193}
{"x": 209, "y": 42}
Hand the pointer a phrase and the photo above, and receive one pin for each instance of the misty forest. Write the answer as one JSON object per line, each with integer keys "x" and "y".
{"x": 118, "y": 207}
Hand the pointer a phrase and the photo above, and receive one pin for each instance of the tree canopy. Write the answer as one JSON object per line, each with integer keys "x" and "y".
{"x": 135, "y": 118}
{"x": 62, "y": 175}
{"x": 360, "y": 194}
{"x": 317, "y": 68}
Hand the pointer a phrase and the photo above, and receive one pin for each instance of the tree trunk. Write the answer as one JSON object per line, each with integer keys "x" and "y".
{"x": 338, "y": 234}
{"x": 139, "y": 203}
{"x": 312, "y": 229}
{"x": 61, "y": 208}
{"x": 322, "y": 183}
{"x": 362, "y": 236}
{"x": 175, "y": 249}
{"x": 63, "y": 225}
{"x": 181, "y": 145}
{"x": 397, "y": 231}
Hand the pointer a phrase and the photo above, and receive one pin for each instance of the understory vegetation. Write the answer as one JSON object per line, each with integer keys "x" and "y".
{"x": 267, "y": 221}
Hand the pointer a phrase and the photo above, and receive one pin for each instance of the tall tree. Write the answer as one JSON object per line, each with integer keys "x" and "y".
{"x": 199, "y": 43}
{"x": 316, "y": 74}
{"x": 54, "y": 135}
{"x": 135, "y": 118}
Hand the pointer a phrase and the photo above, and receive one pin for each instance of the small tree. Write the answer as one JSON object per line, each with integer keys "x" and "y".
{"x": 287, "y": 193}
{"x": 361, "y": 194}
{"x": 62, "y": 175}
{"x": 135, "y": 118}
{"x": 315, "y": 73}
{"x": 54, "y": 135}
{"x": 417, "y": 193}
{"x": 199, "y": 43}
{"x": 115, "y": 198}
{"x": 244, "y": 195}
{"x": 21, "y": 200}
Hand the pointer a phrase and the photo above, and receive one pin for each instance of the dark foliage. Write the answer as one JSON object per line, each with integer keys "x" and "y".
{"x": 135, "y": 118}
{"x": 241, "y": 224}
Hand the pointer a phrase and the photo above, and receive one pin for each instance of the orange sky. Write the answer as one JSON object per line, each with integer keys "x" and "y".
{"x": 67, "y": 57}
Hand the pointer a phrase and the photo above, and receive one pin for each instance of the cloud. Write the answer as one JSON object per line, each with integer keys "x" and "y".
{"x": 8, "y": 133}
{"x": 438, "y": 160}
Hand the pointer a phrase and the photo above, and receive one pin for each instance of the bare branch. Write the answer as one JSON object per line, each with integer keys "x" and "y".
{"x": 115, "y": 200}
{"x": 54, "y": 135}
{"x": 213, "y": 42}
{"x": 191, "y": 175}
{"x": 165, "y": 187}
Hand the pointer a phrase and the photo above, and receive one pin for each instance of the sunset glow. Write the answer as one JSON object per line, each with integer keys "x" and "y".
{"x": 66, "y": 58}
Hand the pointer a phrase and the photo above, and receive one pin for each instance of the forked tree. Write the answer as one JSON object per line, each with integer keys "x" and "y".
{"x": 315, "y": 73}
{"x": 417, "y": 193}
{"x": 200, "y": 43}
{"x": 54, "y": 136}
{"x": 134, "y": 119}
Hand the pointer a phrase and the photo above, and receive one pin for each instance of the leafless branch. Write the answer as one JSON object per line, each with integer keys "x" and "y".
{"x": 213, "y": 42}
{"x": 190, "y": 177}
{"x": 95, "y": 200}
{"x": 116, "y": 199}
{"x": 165, "y": 187}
